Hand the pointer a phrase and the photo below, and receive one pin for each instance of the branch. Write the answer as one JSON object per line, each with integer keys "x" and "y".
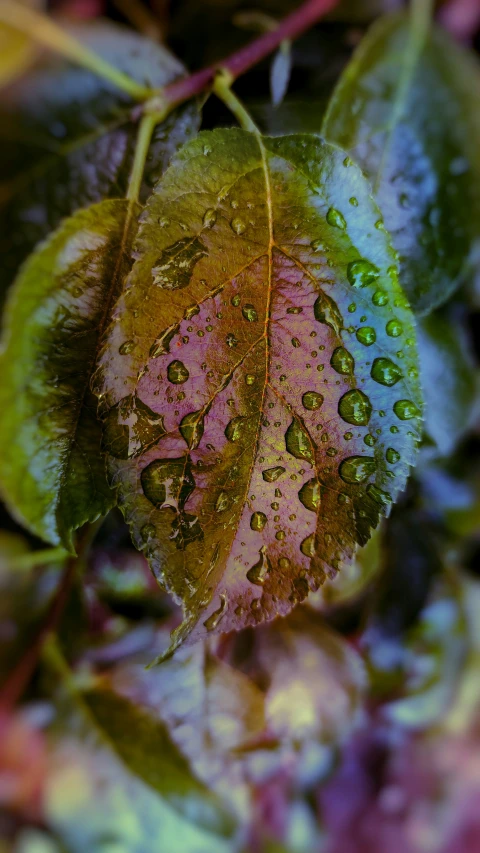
{"x": 238, "y": 63}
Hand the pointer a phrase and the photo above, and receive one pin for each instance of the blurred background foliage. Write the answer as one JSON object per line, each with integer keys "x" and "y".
{"x": 352, "y": 726}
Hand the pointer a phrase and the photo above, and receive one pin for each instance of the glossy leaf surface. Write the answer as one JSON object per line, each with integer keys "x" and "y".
{"x": 412, "y": 123}
{"x": 264, "y": 323}
{"x": 68, "y": 138}
{"x": 53, "y": 474}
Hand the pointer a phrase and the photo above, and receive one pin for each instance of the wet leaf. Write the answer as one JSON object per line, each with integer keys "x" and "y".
{"x": 257, "y": 323}
{"x": 68, "y": 138}
{"x": 53, "y": 473}
{"x": 448, "y": 379}
{"x": 411, "y": 121}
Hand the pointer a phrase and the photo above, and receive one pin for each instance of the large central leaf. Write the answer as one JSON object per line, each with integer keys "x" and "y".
{"x": 264, "y": 322}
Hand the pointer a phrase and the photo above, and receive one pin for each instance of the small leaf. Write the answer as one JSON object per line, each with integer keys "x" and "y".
{"x": 68, "y": 138}
{"x": 144, "y": 745}
{"x": 271, "y": 295}
{"x": 448, "y": 379}
{"x": 280, "y": 71}
{"x": 411, "y": 120}
{"x": 53, "y": 474}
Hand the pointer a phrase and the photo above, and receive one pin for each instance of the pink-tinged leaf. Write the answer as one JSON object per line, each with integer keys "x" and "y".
{"x": 263, "y": 323}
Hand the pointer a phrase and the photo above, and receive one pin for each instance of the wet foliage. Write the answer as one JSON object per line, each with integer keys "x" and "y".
{"x": 240, "y": 470}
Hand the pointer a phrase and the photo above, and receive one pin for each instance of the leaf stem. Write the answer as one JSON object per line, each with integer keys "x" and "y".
{"x": 45, "y": 31}
{"x": 222, "y": 88}
{"x": 238, "y": 63}
{"x": 145, "y": 131}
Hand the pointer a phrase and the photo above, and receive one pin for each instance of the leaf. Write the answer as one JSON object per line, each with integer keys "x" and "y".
{"x": 93, "y": 800}
{"x": 448, "y": 379}
{"x": 68, "y": 138}
{"x": 248, "y": 324}
{"x": 280, "y": 71}
{"x": 153, "y": 757}
{"x": 411, "y": 121}
{"x": 53, "y": 474}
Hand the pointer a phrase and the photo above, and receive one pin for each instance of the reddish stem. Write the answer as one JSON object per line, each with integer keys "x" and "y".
{"x": 238, "y": 63}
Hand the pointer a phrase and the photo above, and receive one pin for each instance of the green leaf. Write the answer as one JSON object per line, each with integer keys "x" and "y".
{"x": 263, "y": 321}
{"x": 144, "y": 745}
{"x": 449, "y": 379}
{"x": 68, "y": 138}
{"x": 53, "y": 474}
{"x": 410, "y": 118}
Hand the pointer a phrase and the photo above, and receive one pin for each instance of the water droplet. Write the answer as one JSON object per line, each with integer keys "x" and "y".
{"x": 258, "y": 573}
{"x": 294, "y": 310}
{"x": 380, "y": 297}
{"x": 348, "y": 436}
{"x": 357, "y": 469}
{"x": 312, "y": 400}
{"x": 250, "y": 313}
{"x": 238, "y": 225}
{"x": 326, "y": 311}
{"x": 130, "y": 428}
{"x": 177, "y": 373}
{"x": 353, "y": 201}
{"x": 249, "y": 379}
{"x": 405, "y": 410}
{"x": 235, "y": 300}
{"x": 126, "y": 347}
{"x": 310, "y": 495}
{"x": 385, "y": 372}
{"x": 297, "y": 441}
{"x": 366, "y": 335}
{"x": 284, "y": 563}
{"x": 235, "y": 429}
{"x": 394, "y": 429}
{"x": 258, "y": 521}
{"x": 369, "y": 440}
{"x": 222, "y": 502}
{"x": 174, "y": 267}
{"x": 352, "y": 308}
{"x": 231, "y": 340}
{"x": 307, "y": 547}
{"x": 392, "y": 456}
{"x": 190, "y": 312}
{"x": 394, "y": 328}
{"x": 217, "y": 615}
{"x": 342, "y": 361}
{"x": 280, "y": 535}
{"x": 192, "y": 428}
{"x": 295, "y": 343}
{"x": 378, "y": 495}
{"x": 336, "y": 219}
{"x": 361, "y": 273}
{"x": 270, "y": 475}
{"x": 167, "y": 482}
{"x": 209, "y": 218}
{"x": 355, "y": 408}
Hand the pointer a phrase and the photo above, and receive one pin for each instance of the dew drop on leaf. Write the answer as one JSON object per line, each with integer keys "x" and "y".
{"x": 362, "y": 273}
{"x": 378, "y": 495}
{"x": 336, "y": 219}
{"x": 355, "y": 408}
{"x": 342, "y": 361}
{"x": 312, "y": 400}
{"x": 310, "y": 494}
{"x": 222, "y": 502}
{"x": 366, "y": 335}
{"x": 191, "y": 428}
{"x": 258, "y": 572}
{"x": 258, "y": 521}
{"x": 174, "y": 267}
{"x": 167, "y": 482}
{"x": 394, "y": 328}
{"x": 307, "y": 546}
{"x": 238, "y": 225}
{"x": 297, "y": 441}
{"x": 249, "y": 379}
{"x": 209, "y": 218}
{"x": 326, "y": 311}
{"x": 177, "y": 373}
{"x": 131, "y": 427}
{"x": 270, "y": 475}
{"x": 250, "y": 313}
{"x": 386, "y": 372}
{"x": 405, "y": 410}
{"x": 380, "y": 298}
{"x": 235, "y": 429}
{"x": 357, "y": 469}
{"x": 213, "y": 620}
{"x": 392, "y": 455}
